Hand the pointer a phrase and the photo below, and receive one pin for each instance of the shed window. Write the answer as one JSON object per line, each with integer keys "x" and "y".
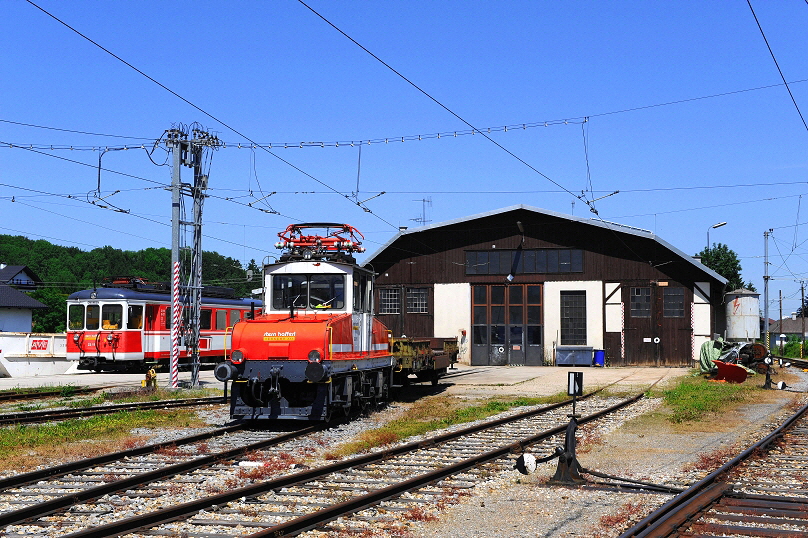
{"x": 573, "y": 318}
{"x": 389, "y": 301}
{"x": 503, "y": 262}
{"x": 673, "y": 302}
{"x": 640, "y": 302}
{"x": 417, "y": 301}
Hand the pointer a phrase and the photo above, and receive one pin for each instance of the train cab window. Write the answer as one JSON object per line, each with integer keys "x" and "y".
{"x": 221, "y": 319}
{"x": 134, "y": 317}
{"x": 168, "y": 318}
{"x": 235, "y": 317}
{"x": 289, "y": 291}
{"x": 204, "y": 319}
{"x": 327, "y": 291}
{"x": 75, "y": 317}
{"x": 92, "y": 316}
{"x": 360, "y": 295}
{"x": 111, "y": 316}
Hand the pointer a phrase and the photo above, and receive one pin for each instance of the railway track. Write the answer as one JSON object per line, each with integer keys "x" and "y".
{"x": 762, "y": 492}
{"x": 33, "y": 417}
{"x": 372, "y": 486}
{"x": 47, "y": 491}
{"x": 13, "y": 396}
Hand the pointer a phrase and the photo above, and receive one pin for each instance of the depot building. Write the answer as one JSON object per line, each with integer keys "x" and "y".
{"x": 528, "y": 286}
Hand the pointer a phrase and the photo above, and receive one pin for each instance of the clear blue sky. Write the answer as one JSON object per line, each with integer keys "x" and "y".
{"x": 278, "y": 74}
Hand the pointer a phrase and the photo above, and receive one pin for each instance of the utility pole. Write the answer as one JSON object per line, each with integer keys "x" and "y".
{"x": 188, "y": 153}
{"x": 781, "y": 323}
{"x": 766, "y": 287}
{"x": 802, "y": 315}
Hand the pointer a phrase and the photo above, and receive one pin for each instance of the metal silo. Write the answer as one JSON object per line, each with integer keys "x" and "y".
{"x": 743, "y": 315}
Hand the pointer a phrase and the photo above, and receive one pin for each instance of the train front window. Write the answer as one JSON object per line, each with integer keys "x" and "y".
{"x": 75, "y": 317}
{"x": 318, "y": 292}
{"x": 92, "y": 316}
{"x": 289, "y": 291}
{"x": 134, "y": 318}
{"x": 327, "y": 291}
{"x": 112, "y": 316}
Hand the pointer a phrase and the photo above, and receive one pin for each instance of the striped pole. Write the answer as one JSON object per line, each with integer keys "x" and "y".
{"x": 176, "y": 315}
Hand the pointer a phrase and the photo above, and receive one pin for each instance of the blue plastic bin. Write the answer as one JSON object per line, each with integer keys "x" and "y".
{"x": 600, "y": 358}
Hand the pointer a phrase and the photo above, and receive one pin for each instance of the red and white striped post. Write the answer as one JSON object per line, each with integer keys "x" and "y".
{"x": 176, "y": 315}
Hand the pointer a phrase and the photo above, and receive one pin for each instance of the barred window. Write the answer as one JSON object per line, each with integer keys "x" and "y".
{"x": 417, "y": 301}
{"x": 389, "y": 301}
{"x": 640, "y": 302}
{"x": 673, "y": 302}
{"x": 573, "y": 318}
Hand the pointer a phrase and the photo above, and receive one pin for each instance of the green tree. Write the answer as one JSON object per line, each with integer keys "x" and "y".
{"x": 723, "y": 260}
{"x": 52, "y": 319}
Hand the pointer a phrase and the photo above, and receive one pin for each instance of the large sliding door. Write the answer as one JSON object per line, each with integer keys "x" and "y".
{"x": 506, "y": 325}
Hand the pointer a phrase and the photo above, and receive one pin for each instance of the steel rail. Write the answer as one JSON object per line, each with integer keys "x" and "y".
{"x": 54, "y": 505}
{"x": 185, "y": 510}
{"x": 66, "y": 414}
{"x": 313, "y": 520}
{"x": 67, "y": 468}
{"x": 661, "y": 521}
{"x": 34, "y": 395}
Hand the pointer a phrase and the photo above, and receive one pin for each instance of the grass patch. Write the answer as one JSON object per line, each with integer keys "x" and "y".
{"x": 25, "y": 446}
{"x": 430, "y": 414}
{"x": 694, "y": 398}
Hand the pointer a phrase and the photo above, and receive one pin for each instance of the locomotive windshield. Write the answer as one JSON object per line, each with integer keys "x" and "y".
{"x": 317, "y": 292}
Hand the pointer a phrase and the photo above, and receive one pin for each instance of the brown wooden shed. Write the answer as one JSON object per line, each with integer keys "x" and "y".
{"x": 524, "y": 285}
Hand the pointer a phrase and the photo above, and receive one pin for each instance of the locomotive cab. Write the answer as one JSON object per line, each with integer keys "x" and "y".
{"x": 317, "y": 351}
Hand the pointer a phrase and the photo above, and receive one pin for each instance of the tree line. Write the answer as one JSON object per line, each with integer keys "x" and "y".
{"x": 64, "y": 270}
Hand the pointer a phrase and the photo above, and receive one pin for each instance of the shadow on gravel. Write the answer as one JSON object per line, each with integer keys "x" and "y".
{"x": 416, "y": 391}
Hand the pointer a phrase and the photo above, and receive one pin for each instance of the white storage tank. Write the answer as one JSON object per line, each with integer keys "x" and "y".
{"x": 743, "y": 315}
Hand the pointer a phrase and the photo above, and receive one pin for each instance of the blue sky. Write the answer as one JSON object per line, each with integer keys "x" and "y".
{"x": 278, "y": 73}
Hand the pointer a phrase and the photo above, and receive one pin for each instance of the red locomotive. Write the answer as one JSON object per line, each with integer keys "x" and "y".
{"x": 317, "y": 351}
{"x": 125, "y": 325}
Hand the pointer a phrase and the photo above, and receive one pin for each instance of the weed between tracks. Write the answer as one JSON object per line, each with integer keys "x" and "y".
{"x": 27, "y": 446}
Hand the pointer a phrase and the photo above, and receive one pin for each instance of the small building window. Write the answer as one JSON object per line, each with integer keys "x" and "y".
{"x": 417, "y": 301}
{"x": 640, "y": 302}
{"x": 389, "y": 301}
{"x": 503, "y": 262}
{"x": 673, "y": 302}
{"x": 573, "y": 318}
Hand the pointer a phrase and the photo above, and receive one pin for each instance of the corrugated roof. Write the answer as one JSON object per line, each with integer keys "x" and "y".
{"x": 599, "y": 223}
{"x": 11, "y": 298}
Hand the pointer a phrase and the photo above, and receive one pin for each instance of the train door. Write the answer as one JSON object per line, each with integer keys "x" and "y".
{"x": 151, "y": 328}
{"x": 506, "y": 325}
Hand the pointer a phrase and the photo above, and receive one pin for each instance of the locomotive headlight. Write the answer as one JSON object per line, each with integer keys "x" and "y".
{"x": 237, "y": 356}
{"x": 315, "y": 355}
{"x": 76, "y": 337}
{"x": 109, "y": 338}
